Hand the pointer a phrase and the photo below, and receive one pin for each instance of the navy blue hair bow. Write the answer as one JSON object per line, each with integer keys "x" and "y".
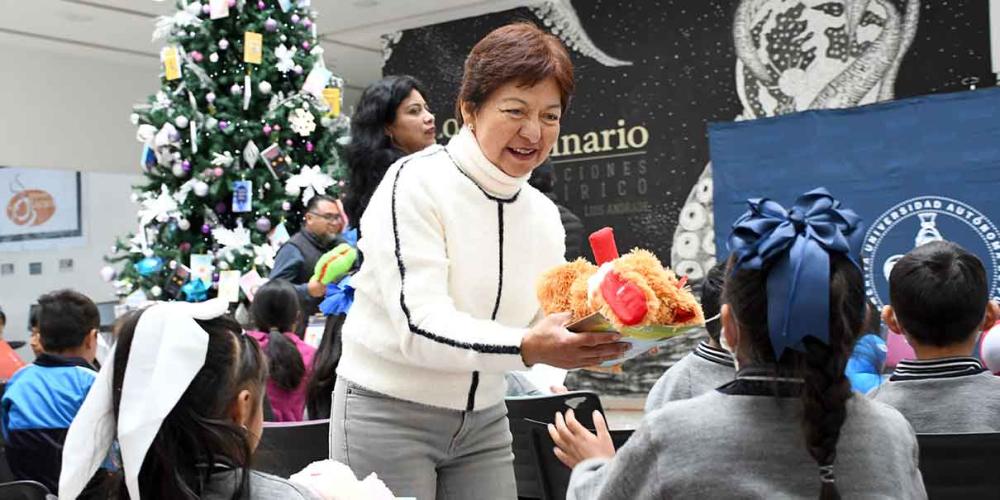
{"x": 793, "y": 247}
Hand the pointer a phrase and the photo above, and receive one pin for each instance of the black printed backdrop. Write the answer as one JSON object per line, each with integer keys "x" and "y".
{"x": 682, "y": 77}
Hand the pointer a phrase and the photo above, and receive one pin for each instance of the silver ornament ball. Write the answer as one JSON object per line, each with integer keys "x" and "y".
{"x": 181, "y": 121}
{"x": 264, "y": 87}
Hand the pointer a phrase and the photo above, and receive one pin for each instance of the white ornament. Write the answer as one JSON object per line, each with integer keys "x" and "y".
{"x": 183, "y": 224}
{"x": 311, "y": 180}
{"x": 232, "y": 239}
{"x": 236, "y": 89}
{"x": 148, "y": 252}
{"x": 200, "y": 189}
{"x": 155, "y": 291}
{"x": 302, "y": 122}
{"x": 224, "y": 160}
{"x": 134, "y": 118}
{"x": 108, "y": 273}
{"x": 214, "y": 57}
{"x": 181, "y": 121}
{"x": 178, "y": 170}
{"x": 264, "y": 87}
{"x": 159, "y": 208}
{"x": 223, "y": 265}
{"x": 264, "y": 255}
{"x": 284, "y": 55}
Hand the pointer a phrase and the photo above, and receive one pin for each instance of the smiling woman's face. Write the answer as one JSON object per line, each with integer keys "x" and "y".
{"x": 517, "y": 126}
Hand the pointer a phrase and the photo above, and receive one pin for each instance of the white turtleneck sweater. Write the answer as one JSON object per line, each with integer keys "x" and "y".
{"x": 453, "y": 247}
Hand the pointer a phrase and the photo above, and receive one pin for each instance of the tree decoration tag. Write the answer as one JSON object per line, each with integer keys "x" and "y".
{"x": 253, "y": 47}
{"x": 171, "y": 62}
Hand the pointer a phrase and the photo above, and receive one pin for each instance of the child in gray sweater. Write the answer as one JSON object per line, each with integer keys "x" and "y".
{"x": 709, "y": 365}
{"x": 940, "y": 301}
{"x": 789, "y": 425}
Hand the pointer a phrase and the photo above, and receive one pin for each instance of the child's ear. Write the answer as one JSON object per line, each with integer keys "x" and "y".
{"x": 991, "y": 316}
{"x": 730, "y": 330}
{"x": 91, "y": 339}
{"x": 889, "y": 318}
{"x": 243, "y": 409}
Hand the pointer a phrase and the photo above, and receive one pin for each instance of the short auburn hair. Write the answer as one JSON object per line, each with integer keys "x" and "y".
{"x": 519, "y": 52}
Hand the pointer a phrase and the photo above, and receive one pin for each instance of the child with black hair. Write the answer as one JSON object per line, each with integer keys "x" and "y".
{"x": 36, "y": 337}
{"x": 709, "y": 365}
{"x": 275, "y": 312}
{"x": 939, "y": 300}
{"x": 42, "y": 399}
{"x": 788, "y": 425}
{"x": 187, "y": 422}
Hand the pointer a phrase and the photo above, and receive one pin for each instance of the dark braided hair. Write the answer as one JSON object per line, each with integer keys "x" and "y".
{"x": 826, "y": 389}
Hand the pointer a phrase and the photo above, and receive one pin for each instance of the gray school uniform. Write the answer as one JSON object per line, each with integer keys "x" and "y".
{"x": 262, "y": 487}
{"x": 949, "y": 395}
{"x": 702, "y": 370}
{"x": 741, "y": 441}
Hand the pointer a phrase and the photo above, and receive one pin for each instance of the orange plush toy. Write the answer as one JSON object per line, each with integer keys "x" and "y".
{"x": 632, "y": 291}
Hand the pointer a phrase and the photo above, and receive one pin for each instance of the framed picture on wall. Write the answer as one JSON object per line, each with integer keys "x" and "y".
{"x": 39, "y": 206}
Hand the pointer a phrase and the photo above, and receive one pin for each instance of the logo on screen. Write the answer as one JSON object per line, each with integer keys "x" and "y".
{"x": 921, "y": 220}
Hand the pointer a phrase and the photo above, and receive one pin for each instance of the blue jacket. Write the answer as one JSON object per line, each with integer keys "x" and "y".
{"x": 864, "y": 368}
{"x": 40, "y": 402}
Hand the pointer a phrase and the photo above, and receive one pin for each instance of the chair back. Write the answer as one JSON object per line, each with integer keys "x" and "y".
{"x": 960, "y": 465}
{"x": 523, "y": 411}
{"x": 287, "y": 447}
{"x": 555, "y": 475}
{"x": 24, "y": 490}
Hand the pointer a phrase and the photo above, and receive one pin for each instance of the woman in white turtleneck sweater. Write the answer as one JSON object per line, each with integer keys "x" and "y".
{"x": 454, "y": 240}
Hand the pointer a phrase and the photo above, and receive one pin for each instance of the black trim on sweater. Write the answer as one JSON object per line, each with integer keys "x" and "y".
{"x": 470, "y": 404}
{"x": 496, "y": 306}
{"x": 761, "y": 381}
{"x": 714, "y": 354}
{"x": 915, "y": 369}
{"x": 484, "y": 348}
{"x": 497, "y": 199}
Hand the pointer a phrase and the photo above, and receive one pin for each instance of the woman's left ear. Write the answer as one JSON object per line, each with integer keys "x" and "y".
{"x": 243, "y": 409}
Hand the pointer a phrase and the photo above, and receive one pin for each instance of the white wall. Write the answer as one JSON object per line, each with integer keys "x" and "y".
{"x": 107, "y": 213}
{"x": 71, "y": 110}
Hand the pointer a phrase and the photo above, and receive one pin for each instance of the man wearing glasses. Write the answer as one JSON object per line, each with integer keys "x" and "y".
{"x": 295, "y": 261}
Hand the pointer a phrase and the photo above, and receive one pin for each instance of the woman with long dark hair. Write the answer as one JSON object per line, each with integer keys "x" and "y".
{"x": 789, "y": 425}
{"x": 275, "y": 313}
{"x": 391, "y": 120}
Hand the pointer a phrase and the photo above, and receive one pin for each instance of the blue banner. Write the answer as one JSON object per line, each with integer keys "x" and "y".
{"x": 917, "y": 170}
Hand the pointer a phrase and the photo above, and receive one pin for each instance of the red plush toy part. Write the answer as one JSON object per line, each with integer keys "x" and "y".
{"x": 602, "y": 243}
{"x": 625, "y": 299}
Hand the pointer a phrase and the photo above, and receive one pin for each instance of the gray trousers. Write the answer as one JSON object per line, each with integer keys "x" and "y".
{"x": 423, "y": 451}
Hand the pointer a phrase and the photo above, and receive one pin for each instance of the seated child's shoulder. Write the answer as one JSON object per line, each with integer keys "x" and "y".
{"x": 874, "y": 414}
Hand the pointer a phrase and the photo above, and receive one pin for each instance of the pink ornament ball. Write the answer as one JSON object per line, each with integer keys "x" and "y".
{"x": 307, "y": 22}
{"x": 305, "y": 45}
{"x": 210, "y": 97}
{"x": 205, "y": 9}
{"x": 232, "y": 3}
{"x": 297, "y": 69}
{"x": 184, "y": 247}
{"x": 223, "y": 44}
{"x": 197, "y": 56}
{"x": 205, "y": 229}
{"x": 263, "y": 224}
{"x": 260, "y": 4}
{"x": 223, "y": 125}
{"x": 286, "y": 206}
{"x": 310, "y": 147}
{"x": 186, "y": 165}
{"x": 295, "y": 18}
{"x": 267, "y": 129}
{"x": 218, "y": 171}
{"x": 288, "y": 142}
{"x": 277, "y": 128}
{"x": 271, "y": 25}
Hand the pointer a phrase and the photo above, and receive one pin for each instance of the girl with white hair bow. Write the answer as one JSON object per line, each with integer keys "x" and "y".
{"x": 182, "y": 394}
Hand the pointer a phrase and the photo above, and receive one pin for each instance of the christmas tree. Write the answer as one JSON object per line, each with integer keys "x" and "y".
{"x": 245, "y": 128}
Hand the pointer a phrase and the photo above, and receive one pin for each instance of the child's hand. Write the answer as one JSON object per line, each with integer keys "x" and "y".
{"x": 574, "y": 443}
